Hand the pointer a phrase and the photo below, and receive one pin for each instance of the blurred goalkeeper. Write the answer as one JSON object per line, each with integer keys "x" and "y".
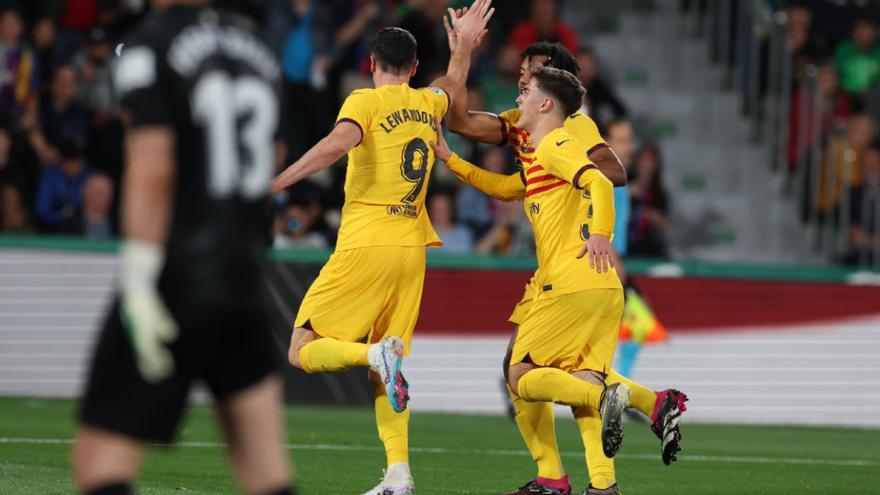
{"x": 199, "y": 89}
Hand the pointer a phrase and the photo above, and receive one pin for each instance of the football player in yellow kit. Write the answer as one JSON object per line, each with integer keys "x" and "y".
{"x": 536, "y": 420}
{"x": 371, "y": 287}
{"x": 563, "y": 350}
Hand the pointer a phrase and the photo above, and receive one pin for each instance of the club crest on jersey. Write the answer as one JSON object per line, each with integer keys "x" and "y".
{"x": 534, "y": 208}
{"x": 408, "y": 211}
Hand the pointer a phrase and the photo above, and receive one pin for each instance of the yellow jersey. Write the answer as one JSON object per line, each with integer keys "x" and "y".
{"x": 512, "y": 187}
{"x": 567, "y": 199}
{"x": 388, "y": 171}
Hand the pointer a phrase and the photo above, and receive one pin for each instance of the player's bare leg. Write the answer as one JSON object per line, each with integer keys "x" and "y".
{"x": 103, "y": 460}
{"x": 254, "y": 429}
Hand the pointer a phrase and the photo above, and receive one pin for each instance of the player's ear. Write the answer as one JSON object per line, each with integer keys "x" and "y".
{"x": 372, "y": 64}
{"x": 415, "y": 67}
{"x": 547, "y": 105}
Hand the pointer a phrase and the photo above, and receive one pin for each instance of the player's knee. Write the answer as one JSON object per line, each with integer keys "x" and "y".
{"x": 591, "y": 376}
{"x": 293, "y": 356}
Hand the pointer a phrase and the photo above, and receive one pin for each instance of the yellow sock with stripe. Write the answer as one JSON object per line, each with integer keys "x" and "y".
{"x": 600, "y": 467}
{"x": 537, "y": 427}
{"x": 555, "y": 385}
{"x": 642, "y": 398}
{"x": 325, "y": 354}
{"x": 393, "y": 427}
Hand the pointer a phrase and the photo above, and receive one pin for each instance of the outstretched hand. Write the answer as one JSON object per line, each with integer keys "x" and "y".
{"x": 440, "y": 147}
{"x": 468, "y": 24}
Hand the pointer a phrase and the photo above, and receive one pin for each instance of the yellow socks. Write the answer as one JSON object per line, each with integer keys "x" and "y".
{"x": 601, "y": 468}
{"x": 392, "y": 427}
{"x": 538, "y": 430}
{"x": 555, "y": 385}
{"x": 642, "y": 397}
{"x": 326, "y": 354}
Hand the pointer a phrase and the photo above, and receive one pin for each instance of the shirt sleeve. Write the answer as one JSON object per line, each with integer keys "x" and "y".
{"x": 441, "y": 100}
{"x": 586, "y": 131}
{"x": 359, "y": 109}
{"x": 142, "y": 86}
{"x": 498, "y": 186}
{"x": 566, "y": 158}
{"x": 508, "y": 118}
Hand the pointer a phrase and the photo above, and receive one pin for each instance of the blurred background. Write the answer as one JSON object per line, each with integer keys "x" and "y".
{"x": 749, "y": 130}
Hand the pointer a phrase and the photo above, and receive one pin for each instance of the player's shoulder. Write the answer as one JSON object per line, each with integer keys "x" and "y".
{"x": 511, "y": 116}
{"x": 580, "y": 122}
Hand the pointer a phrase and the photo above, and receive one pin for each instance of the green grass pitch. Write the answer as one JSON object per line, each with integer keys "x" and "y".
{"x": 336, "y": 451}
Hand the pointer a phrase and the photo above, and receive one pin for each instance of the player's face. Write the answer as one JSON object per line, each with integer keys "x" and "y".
{"x": 525, "y": 68}
{"x": 531, "y": 102}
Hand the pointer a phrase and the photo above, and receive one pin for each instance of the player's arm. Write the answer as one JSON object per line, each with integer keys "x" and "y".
{"x": 485, "y": 127}
{"x": 566, "y": 161}
{"x": 147, "y": 201}
{"x": 148, "y": 190}
{"x": 345, "y": 136}
{"x": 469, "y": 29}
{"x": 610, "y": 165}
{"x": 499, "y": 186}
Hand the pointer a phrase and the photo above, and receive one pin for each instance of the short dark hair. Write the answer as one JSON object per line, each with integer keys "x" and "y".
{"x": 394, "y": 49}
{"x": 558, "y": 56}
{"x": 562, "y": 86}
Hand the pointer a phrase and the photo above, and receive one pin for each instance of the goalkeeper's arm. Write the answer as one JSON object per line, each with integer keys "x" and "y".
{"x": 146, "y": 218}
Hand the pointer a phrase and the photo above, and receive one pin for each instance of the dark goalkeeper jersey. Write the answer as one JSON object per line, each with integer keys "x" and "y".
{"x": 205, "y": 74}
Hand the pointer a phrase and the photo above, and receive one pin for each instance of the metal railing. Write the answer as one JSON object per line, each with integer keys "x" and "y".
{"x": 750, "y": 40}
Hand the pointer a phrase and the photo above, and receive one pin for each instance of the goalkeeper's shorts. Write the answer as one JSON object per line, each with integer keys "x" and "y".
{"x": 229, "y": 350}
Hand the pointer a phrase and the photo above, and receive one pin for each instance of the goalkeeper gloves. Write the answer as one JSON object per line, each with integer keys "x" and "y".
{"x": 149, "y": 324}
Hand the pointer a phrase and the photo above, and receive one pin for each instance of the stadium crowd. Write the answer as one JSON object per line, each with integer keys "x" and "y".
{"x": 837, "y": 43}
{"x": 60, "y": 126}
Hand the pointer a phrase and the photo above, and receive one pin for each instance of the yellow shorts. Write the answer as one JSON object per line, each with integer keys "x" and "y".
{"x": 522, "y": 307}
{"x": 370, "y": 292}
{"x": 572, "y": 332}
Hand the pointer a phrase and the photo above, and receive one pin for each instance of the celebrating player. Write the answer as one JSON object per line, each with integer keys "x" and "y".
{"x": 536, "y": 420}
{"x": 198, "y": 86}
{"x": 372, "y": 285}
{"x": 563, "y": 349}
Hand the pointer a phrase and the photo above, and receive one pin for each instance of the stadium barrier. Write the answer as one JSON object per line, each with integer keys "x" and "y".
{"x": 782, "y": 345}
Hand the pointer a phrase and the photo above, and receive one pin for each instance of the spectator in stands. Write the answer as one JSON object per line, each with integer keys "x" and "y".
{"x": 94, "y": 219}
{"x": 858, "y": 59}
{"x": 59, "y": 194}
{"x": 456, "y": 238}
{"x": 59, "y": 118}
{"x": 76, "y": 19}
{"x": 500, "y": 89}
{"x": 293, "y": 227}
{"x": 19, "y": 79}
{"x": 544, "y": 25}
{"x": 426, "y": 25}
{"x": 96, "y": 95}
{"x": 648, "y": 221}
{"x": 13, "y": 214}
{"x": 510, "y": 233}
{"x": 841, "y": 165}
{"x": 602, "y": 104}
{"x": 864, "y": 210}
{"x": 308, "y": 107}
{"x": 474, "y": 209}
{"x": 836, "y": 108}
{"x": 43, "y": 39}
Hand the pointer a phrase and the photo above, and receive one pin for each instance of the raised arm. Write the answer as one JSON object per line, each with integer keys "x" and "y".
{"x": 345, "y": 136}
{"x": 480, "y": 126}
{"x": 469, "y": 29}
{"x": 498, "y": 186}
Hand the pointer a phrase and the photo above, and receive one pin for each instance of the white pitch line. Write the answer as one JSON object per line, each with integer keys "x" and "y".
{"x": 498, "y": 452}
